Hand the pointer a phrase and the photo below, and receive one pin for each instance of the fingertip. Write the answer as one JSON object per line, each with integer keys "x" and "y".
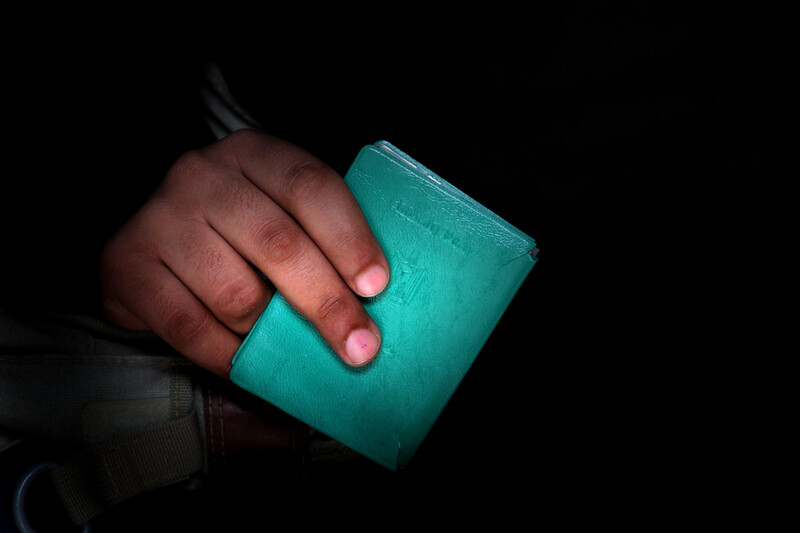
{"x": 371, "y": 281}
{"x": 361, "y": 347}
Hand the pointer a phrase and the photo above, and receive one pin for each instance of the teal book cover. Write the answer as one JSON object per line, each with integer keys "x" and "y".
{"x": 455, "y": 267}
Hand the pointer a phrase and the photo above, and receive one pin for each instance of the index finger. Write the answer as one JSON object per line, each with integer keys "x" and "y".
{"x": 320, "y": 201}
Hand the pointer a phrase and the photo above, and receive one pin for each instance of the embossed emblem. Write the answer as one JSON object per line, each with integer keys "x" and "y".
{"x": 406, "y": 277}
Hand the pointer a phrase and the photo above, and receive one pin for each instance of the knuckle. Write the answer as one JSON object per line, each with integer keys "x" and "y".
{"x": 304, "y": 180}
{"x": 189, "y": 177}
{"x": 239, "y": 300}
{"x": 281, "y": 241}
{"x": 331, "y": 306}
{"x": 186, "y": 324}
{"x": 241, "y": 136}
{"x": 188, "y": 165}
{"x": 239, "y": 143}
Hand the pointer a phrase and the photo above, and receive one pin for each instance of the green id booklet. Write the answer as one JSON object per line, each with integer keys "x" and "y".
{"x": 455, "y": 267}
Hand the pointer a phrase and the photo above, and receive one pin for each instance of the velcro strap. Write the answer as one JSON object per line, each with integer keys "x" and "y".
{"x": 115, "y": 470}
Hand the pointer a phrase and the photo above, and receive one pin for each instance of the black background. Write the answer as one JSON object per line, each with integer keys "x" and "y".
{"x": 648, "y": 150}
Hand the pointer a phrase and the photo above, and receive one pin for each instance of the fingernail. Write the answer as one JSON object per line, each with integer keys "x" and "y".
{"x": 361, "y": 346}
{"x": 371, "y": 281}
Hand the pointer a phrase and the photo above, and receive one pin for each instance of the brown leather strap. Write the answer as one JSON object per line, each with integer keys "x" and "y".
{"x": 246, "y": 434}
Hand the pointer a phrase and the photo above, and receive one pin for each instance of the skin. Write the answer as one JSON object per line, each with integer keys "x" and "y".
{"x": 187, "y": 264}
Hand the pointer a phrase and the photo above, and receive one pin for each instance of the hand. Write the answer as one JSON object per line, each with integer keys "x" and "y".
{"x": 185, "y": 265}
